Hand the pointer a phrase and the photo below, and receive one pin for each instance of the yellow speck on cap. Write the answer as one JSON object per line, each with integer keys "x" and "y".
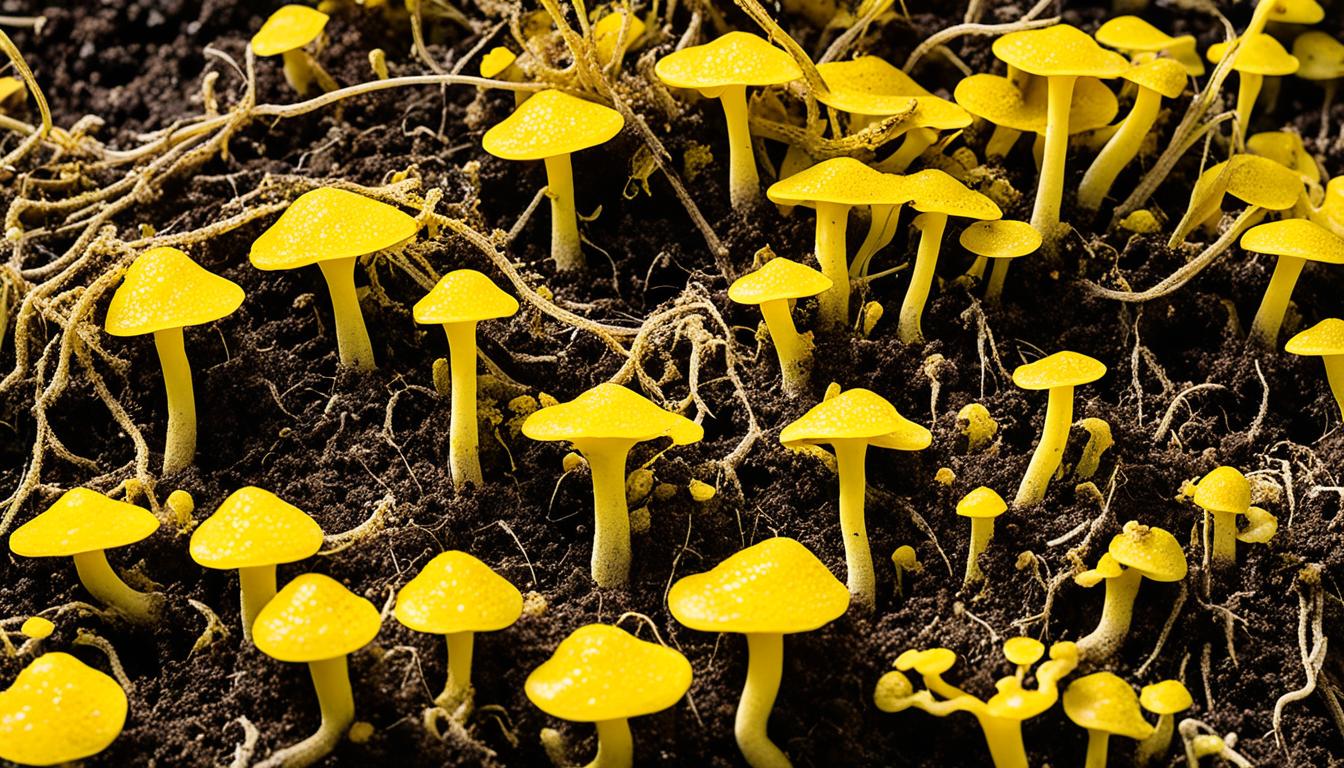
{"x": 1062, "y": 369}
{"x": 1165, "y": 698}
{"x": 496, "y": 61}
{"x": 602, "y": 672}
{"x": 454, "y": 593}
{"x": 464, "y": 296}
{"x": 82, "y": 521}
{"x": 164, "y": 288}
{"x": 842, "y": 180}
{"x": 1000, "y": 239}
{"x": 1062, "y": 50}
{"x": 1023, "y": 650}
{"x": 549, "y": 124}
{"x": 1259, "y": 55}
{"x": 935, "y": 191}
{"x": 998, "y": 100}
{"x": 1103, "y": 702}
{"x": 1320, "y": 340}
{"x": 982, "y": 502}
{"x": 610, "y": 412}
{"x": 1224, "y": 490}
{"x": 314, "y": 618}
{"x": 37, "y": 628}
{"x": 871, "y": 86}
{"x": 254, "y": 527}
{"x": 1297, "y": 238}
{"x": 737, "y": 58}
{"x": 1152, "y": 551}
{"x": 1320, "y": 56}
{"x": 290, "y": 27}
{"x": 59, "y": 710}
{"x": 857, "y": 414}
{"x": 329, "y": 223}
{"x": 777, "y": 279}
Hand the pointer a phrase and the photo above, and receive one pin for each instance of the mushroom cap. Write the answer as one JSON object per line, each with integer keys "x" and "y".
{"x": 1062, "y": 369}
{"x": 982, "y": 502}
{"x": 498, "y": 59}
{"x": 1165, "y": 698}
{"x": 290, "y": 27}
{"x": 607, "y": 31}
{"x": 1286, "y": 149}
{"x": 163, "y": 289}
{"x": 1103, "y": 702}
{"x": 602, "y": 672}
{"x": 1133, "y": 34}
{"x": 1319, "y": 56}
{"x": 775, "y": 586}
{"x": 1260, "y": 55}
{"x": 1016, "y": 702}
{"x": 1023, "y": 650}
{"x": 326, "y": 224}
{"x": 610, "y": 412}
{"x": 1298, "y": 238}
{"x": 254, "y": 527}
{"x": 1106, "y": 568}
{"x": 931, "y": 661}
{"x": 779, "y": 278}
{"x": 59, "y": 710}
{"x": 37, "y": 628}
{"x": 737, "y": 58}
{"x": 842, "y": 180}
{"x": 1059, "y": 50}
{"x": 454, "y": 593}
{"x": 869, "y": 85}
{"x": 82, "y": 521}
{"x": 1224, "y": 490}
{"x": 999, "y": 100}
{"x": 1000, "y": 239}
{"x": 1296, "y": 11}
{"x": 464, "y": 296}
{"x": 857, "y": 414}
{"x": 9, "y": 86}
{"x": 1253, "y": 179}
{"x": 313, "y": 618}
{"x": 1151, "y": 551}
{"x": 1260, "y": 528}
{"x": 1320, "y": 340}
{"x": 935, "y": 191}
{"x": 549, "y": 124}
{"x": 1166, "y": 76}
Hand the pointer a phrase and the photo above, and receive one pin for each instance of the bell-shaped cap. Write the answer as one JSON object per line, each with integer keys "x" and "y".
{"x": 289, "y": 28}
{"x": 1258, "y": 55}
{"x": 602, "y": 672}
{"x": 1151, "y": 551}
{"x": 1000, "y": 239}
{"x": 314, "y": 618}
{"x": 935, "y": 191}
{"x": 999, "y": 100}
{"x": 610, "y": 412}
{"x": 1319, "y": 55}
{"x": 841, "y": 180}
{"x": 1286, "y": 149}
{"x": 496, "y": 61}
{"x": 163, "y": 289}
{"x": 550, "y": 124}
{"x": 1062, "y": 369}
{"x": 857, "y": 414}
{"x": 777, "y": 279}
{"x": 1297, "y": 238}
{"x": 1134, "y": 35}
{"x": 59, "y": 710}
{"x": 454, "y": 593}
{"x": 253, "y": 528}
{"x": 1165, "y": 698}
{"x": 1261, "y": 525}
{"x": 982, "y": 503}
{"x": 1106, "y": 568}
{"x": 1296, "y": 11}
{"x": 607, "y": 32}
{"x": 1059, "y": 50}
{"x": 1224, "y": 490}
{"x": 1166, "y": 76}
{"x": 1103, "y": 702}
{"x": 737, "y": 58}
{"x": 1023, "y": 651}
{"x": 464, "y": 296}
{"x": 1323, "y": 339}
{"x": 871, "y": 86}
{"x": 82, "y": 521}
{"x": 776, "y": 586}
{"x": 328, "y": 223}
{"x": 930, "y": 661}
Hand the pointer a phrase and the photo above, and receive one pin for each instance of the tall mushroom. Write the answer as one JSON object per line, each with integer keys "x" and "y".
{"x": 1059, "y": 373}
{"x": 59, "y": 711}
{"x": 1326, "y": 341}
{"x": 1106, "y": 706}
{"x": 1294, "y": 242}
{"x": 1136, "y": 553}
{"x": 773, "y": 288}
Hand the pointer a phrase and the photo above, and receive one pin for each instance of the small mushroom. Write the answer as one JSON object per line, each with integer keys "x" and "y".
{"x": 1059, "y": 373}
{"x": 1286, "y": 149}
{"x": 765, "y": 591}
{"x": 906, "y": 560}
{"x": 461, "y": 299}
{"x": 1223, "y": 494}
{"x": 1106, "y": 706}
{"x": 1016, "y": 110}
{"x": 981, "y": 505}
{"x": 1099, "y": 440}
{"x": 1136, "y": 553}
{"x": 1294, "y": 242}
{"x": 84, "y": 524}
{"x": 773, "y": 288}
{"x": 1133, "y": 35}
{"x": 1321, "y": 60}
{"x": 1022, "y": 652}
{"x": 1261, "y": 183}
{"x": 163, "y": 292}
{"x": 1163, "y": 699}
{"x": 499, "y": 63}
{"x": 604, "y": 675}
{"x": 287, "y": 33}
{"x": 1257, "y": 56}
{"x": 59, "y": 710}
{"x": 1002, "y": 240}
{"x": 1326, "y": 341}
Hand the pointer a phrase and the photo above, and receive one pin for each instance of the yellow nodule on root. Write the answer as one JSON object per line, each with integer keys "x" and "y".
{"x": 1261, "y": 526}
{"x": 601, "y": 672}
{"x": 327, "y": 224}
{"x": 1132, "y": 34}
{"x": 289, "y": 28}
{"x": 163, "y": 288}
{"x": 737, "y": 58}
{"x": 59, "y": 710}
{"x": 870, "y": 86}
{"x": 82, "y": 521}
{"x": 456, "y": 592}
{"x": 314, "y": 618}
{"x": 254, "y": 527}
{"x": 549, "y": 124}
{"x": 37, "y": 628}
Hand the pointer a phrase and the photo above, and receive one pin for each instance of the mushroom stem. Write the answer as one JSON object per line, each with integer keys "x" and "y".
{"x": 994, "y": 289}
{"x": 1248, "y": 90}
{"x": 611, "y": 516}
{"x": 566, "y": 246}
{"x": 1097, "y": 744}
{"x": 1331, "y": 88}
{"x": 1050, "y": 450}
{"x": 1153, "y": 748}
{"x": 832, "y": 220}
{"x": 352, "y": 338}
{"x": 765, "y": 665}
{"x": 256, "y": 587}
{"x": 103, "y": 583}
{"x": 850, "y": 455}
{"x": 977, "y": 268}
{"x": 1274, "y": 305}
{"x": 744, "y": 184}
{"x": 298, "y": 70}
{"x": 180, "y": 441}
{"x": 931, "y": 226}
{"x": 1116, "y": 613}
{"x": 463, "y": 448}
{"x": 1223, "y": 538}
{"x": 881, "y": 230}
{"x": 1004, "y": 739}
{"x": 913, "y": 144}
{"x": 457, "y": 691}
{"x": 982, "y": 531}
{"x": 331, "y": 679}
{"x": 1120, "y": 151}
{"x": 1050, "y": 189}
{"x": 793, "y": 349}
{"x": 615, "y": 748}
{"x": 1001, "y": 141}
{"x": 1334, "y": 374}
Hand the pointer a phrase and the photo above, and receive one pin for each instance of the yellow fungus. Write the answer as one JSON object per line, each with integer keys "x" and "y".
{"x": 945, "y": 476}
{"x": 10, "y": 88}
{"x": 1059, "y": 373}
{"x": 499, "y": 63}
{"x": 1023, "y": 651}
{"x": 1223, "y": 494}
{"x": 1164, "y": 699}
{"x": 37, "y": 628}
{"x": 1141, "y": 222}
{"x": 773, "y": 287}
{"x": 981, "y": 505}
{"x": 1099, "y": 440}
{"x": 182, "y": 506}
{"x": 1294, "y": 242}
{"x": 869, "y": 317}
{"x": 980, "y": 427}
{"x": 1260, "y": 528}
{"x": 360, "y": 732}
{"x": 906, "y": 561}
{"x": 701, "y": 492}
{"x": 638, "y": 485}
{"x": 1133, "y": 35}
{"x": 1326, "y": 341}
{"x": 58, "y": 711}
{"x": 1136, "y": 553}
{"x": 1286, "y": 149}
{"x": 1257, "y": 56}
{"x": 607, "y": 36}
{"x": 1002, "y": 241}
{"x": 1105, "y": 705}
{"x": 1014, "y": 110}
{"x": 287, "y": 33}
{"x": 1321, "y": 60}
{"x": 571, "y": 461}
{"x": 1261, "y": 183}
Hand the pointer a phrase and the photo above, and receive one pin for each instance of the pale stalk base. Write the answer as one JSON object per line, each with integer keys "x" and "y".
{"x": 744, "y": 183}
{"x": 352, "y": 337}
{"x": 931, "y": 226}
{"x": 850, "y": 459}
{"x": 1050, "y": 450}
{"x": 107, "y": 587}
{"x": 999, "y": 274}
{"x": 1154, "y": 748}
{"x": 256, "y": 588}
{"x": 1120, "y": 151}
{"x": 611, "y": 516}
{"x": 1222, "y": 539}
{"x": 179, "y": 448}
{"x": 566, "y": 245}
{"x": 765, "y": 665}
{"x": 1116, "y": 614}
{"x": 331, "y": 679}
{"x": 464, "y": 459}
{"x": 982, "y": 532}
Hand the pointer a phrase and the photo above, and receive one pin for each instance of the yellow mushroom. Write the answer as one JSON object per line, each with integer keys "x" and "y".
{"x": 1330, "y": 212}
{"x": 1099, "y": 440}
{"x": 1059, "y": 373}
{"x": 723, "y": 69}
{"x": 58, "y": 711}
{"x": 1223, "y": 494}
{"x": 611, "y": 46}
{"x": 550, "y": 126}
{"x": 1263, "y": 184}
{"x": 10, "y": 88}
{"x": 1257, "y": 57}
{"x": 979, "y": 428}
{"x": 1002, "y": 241}
{"x": 1163, "y": 699}
{"x": 603, "y": 424}
{"x": 461, "y": 299}
{"x": 1286, "y": 149}
{"x": 499, "y": 63}
{"x": 332, "y": 228}
{"x": 1133, "y": 35}
{"x": 1136, "y": 553}
{"x": 1023, "y": 652}
{"x": 1016, "y": 110}
{"x": 1106, "y": 706}
{"x": 906, "y": 561}
{"x": 1294, "y": 242}
{"x": 981, "y": 505}
{"x": 83, "y": 525}
{"x": 317, "y": 621}
{"x": 849, "y": 423}
{"x": 768, "y": 590}
{"x": 1321, "y": 60}
{"x": 773, "y": 288}
{"x": 604, "y": 675}
{"x": 1326, "y": 341}
{"x": 287, "y": 33}
{"x": 253, "y": 531}
{"x": 37, "y": 628}
{"x": 163, "y": 292}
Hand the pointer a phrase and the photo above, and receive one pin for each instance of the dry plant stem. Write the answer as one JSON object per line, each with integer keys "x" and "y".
{"x": 331, "y": 679}
{"x": 352, "y": 337}
{"x": 850, "y": 457}
{"x": 832, "y": 220}
{"x": 566, "y": 247}
{"x": 931, "y": 228}
{"x": 744, "y": 184}
{"x": 457, "y": 691}
{"x": 1050, "y": 188}
{"x": 1120, "y": 151}
{"x": 611, "y": 516}
{"x": 256, "y": 588}
{"x": 1050, "y": 450}
{"x": 793, "y": 350}
{"x": 1116, "y": 613}
{"x": 765, "y": 666}
{"x": 1274, "y": 305}
{"x": 180, "y": 444}
{"x": 464, "y": 459}
{"x": 942, "y": 37}
{"x": 103, "y": 583}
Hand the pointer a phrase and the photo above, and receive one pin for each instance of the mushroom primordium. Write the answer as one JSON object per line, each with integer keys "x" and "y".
{"x": 1320, "y": 59}
{"x": 906, "y": 560}
{"x": 317, "y": 621}
{"x": 163, "y": 292}
{"x": 982, "y": 506}
{"x": 288, "y": 33}
{"x": 332, "y": 228}
{"x": 850, "y": 422}
{"x": 604, "y": 675}
{"x": 461, "y": 299}
{"x": 457, "y": 595}
{"x": 83, "y": 524}
{"x": 252, "y": 532}
{"x": 1258, "y": 56}
{"x": 1164, "y": 699}
{"x": 1138, "y": 552}
{"x": 1224, "y": 494}
{"x": 765, "y": 591}
{"x": 499, "y": 63}
{"x": 58, "y": 711}
{"x": 1023, "y": 652}
{"x": 603, "y": 424}
{"x": 1016, "y": 108}
{"x": 1326, "y": 341}
{"x": 1001, "y": 241}
{"x": 774, "y": 287}
{"x": 1294, "y": 242}
{"x": 1106, "y": 706}
{"x": 1141, "y": 41}
{"x": 550, "y": 126}
{"x": 1059, "y": 373}
{"x": 723, "y": 69}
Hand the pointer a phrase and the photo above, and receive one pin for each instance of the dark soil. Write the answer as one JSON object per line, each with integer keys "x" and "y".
{"x": 275, "y": 411}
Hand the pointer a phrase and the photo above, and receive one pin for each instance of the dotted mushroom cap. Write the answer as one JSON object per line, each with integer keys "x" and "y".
{"x": 1166, "y": 76}
{"x": 252, "y": 528}
{"x": 496, "y": 61}
{"x": 737, "y": 58}
{"x": 82, "y": 521}
{"x": 841, "y": 180}
{"x": 602, "y": 672}
{"x": 1297, "y": 11}
{"x": 289, "y": 28}
{"x": 1224, "y": 490}
{"x": 857, "y": 414}
{"x": 326, "y": 224}
{"x": 1133, "y": 34}
{"x": 1023, "y": 650}
{"x": 1151, "y": 551}
{"x": 1165, "y": 698}
{"x": 935, "y": 191}
{"x": 1103, "y": 702}
{"x": 1286, "y": 149}
{"x": 1000, "y": 239}
{"x": 932, "y": 661}
{"x": 454, "y": 593}
{"x": 1260, "y": 55}
{"x": 999, "y": 100}
{"x": 610, "y": 412}
{"x": 163, "y": 289}
{"x": 869, "y": 85}
{"x": 59, "y": 710}
{"x": 1062, "y": 369}
{"x": 550, "y": 124}
{"x": 464, "y": 296}
{"x": 1252, "y": 179}
{"x": 1060, "y": 50}
{"x": 776, "y": 586}
{"x": 778, "y": 279}
{"x": 314, "y": 618}
{"x": 1319, "y": 56}
{"x": 1298, "y": 238}
{"x": 1320, "y": 340}
{"x": 982, "y": 502}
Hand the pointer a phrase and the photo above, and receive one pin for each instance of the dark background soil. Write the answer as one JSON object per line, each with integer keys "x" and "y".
{"x": 274, "y": 411}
